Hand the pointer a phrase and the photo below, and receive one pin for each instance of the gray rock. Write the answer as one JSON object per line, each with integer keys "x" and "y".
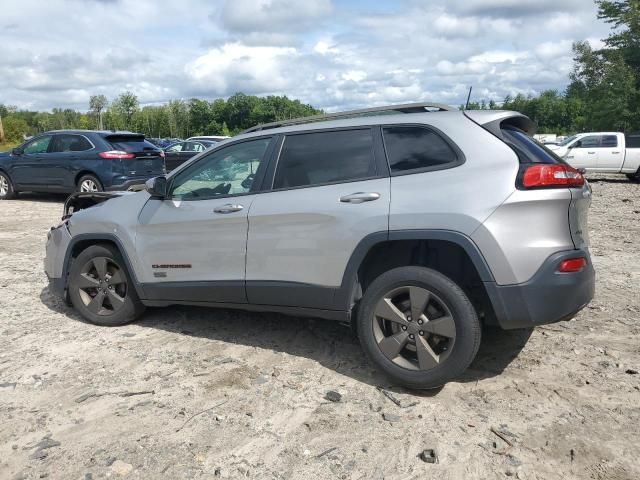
{"x": 261, "y": 380}
{"x": 513, "y": 461}
{"x": 333, "y": 396}
{"x": 428, "y": 455}
{"x": 390, "y": 417}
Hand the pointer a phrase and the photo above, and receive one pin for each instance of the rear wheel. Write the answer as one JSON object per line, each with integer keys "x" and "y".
{"x": 418, "y": 327}
{"x": 6, "y": 187}
{"x": 101, "y": 289}
{"x": 89, "y": 183}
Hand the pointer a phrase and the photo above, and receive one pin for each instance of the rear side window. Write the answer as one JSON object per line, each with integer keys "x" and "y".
{"x": 527, "y": 149}
{"x": 71, "y": 143}
{"x": 130, "y": 143}
{"x": 609, "y": 141}
{"x": 325, "y": 157}
{"x": 416, "y": 148}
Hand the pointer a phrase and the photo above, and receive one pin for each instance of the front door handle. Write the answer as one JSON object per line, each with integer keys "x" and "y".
{"x": 591, "y": 153}
{"x": 228, "y": 208}
{"x": 360, "y": 197}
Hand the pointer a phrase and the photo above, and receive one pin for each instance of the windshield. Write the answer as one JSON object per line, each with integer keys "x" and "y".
{"x": 567, "y": 140}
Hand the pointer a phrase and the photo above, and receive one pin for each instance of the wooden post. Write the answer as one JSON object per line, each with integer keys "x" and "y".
{"x": 1, "y": 131}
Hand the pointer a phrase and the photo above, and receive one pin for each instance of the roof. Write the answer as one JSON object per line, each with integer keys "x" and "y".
{"x": 101, "y": 132}
{"x": 404, "y": 108}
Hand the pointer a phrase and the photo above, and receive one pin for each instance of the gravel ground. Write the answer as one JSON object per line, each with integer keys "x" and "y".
{"x": 196, "y": 393}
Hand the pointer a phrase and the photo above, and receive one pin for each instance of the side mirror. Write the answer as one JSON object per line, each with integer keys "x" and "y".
{"x": 16, "y": 151}
{"x": 157, "y": 187}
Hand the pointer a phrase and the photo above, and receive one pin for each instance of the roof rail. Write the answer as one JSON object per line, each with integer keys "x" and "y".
{"x": 363, "y": 112}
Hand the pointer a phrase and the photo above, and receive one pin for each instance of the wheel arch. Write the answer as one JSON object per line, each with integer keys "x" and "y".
{"x": 81, "y": 242}
{"x": 382, "y": 251}
{"x": 84, "y": 172}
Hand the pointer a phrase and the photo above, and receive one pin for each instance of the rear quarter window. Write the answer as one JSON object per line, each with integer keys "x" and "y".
{"x": 412, "y": 148}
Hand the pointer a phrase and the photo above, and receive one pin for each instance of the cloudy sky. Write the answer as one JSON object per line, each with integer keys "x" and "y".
{"x": 334, "y": 54}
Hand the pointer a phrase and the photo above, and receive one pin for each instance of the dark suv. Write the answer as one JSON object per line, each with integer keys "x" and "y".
{"x": 79, "y": 160}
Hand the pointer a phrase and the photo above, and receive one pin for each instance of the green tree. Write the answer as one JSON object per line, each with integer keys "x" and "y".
{"x": 15, "y": 128}
{"x": 97, "y": 104}
{"x": 124, "y": 107}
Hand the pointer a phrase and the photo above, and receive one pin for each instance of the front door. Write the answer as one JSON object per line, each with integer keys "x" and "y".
{"x": 585, "y": 153}
{"x": 192, "y": 245}
{"x": 328, "y": 193}
{"x": 28, "y": 168}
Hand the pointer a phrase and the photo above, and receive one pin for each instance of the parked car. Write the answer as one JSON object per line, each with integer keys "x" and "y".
{"x": 603, "y": 152}
{"x": 415, "y": 227}
{"x": 79, "y": 160}
{"x": 213, "y": 138}
{"x": 178, "y": 153}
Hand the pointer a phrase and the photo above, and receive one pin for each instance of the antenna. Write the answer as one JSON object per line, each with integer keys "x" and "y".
{"x": 466, "y": 107}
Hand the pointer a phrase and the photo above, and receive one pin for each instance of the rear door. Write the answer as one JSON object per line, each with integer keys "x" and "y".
{"x": 328, "y": 191}
{"x": 147, "y": 159}
{"x": 65, "y": 154}
{"x": 610, "y": 154}
{"x": 585, "y": 153}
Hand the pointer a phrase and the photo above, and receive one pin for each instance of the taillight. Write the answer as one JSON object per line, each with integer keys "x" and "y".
{"x": 115, "y": 154}
{"x": 551, "y": 175}
{"x": 572, "y": 265}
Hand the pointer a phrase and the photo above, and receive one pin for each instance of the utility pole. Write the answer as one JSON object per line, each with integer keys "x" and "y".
{"x": 1, "y": 131}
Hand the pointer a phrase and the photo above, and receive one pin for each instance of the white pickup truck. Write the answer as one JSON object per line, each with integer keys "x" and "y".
{"x": 602, "y": 152}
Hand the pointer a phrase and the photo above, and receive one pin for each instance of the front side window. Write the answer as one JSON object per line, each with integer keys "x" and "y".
{"x": 412, "y": 148}
{"x": 71, "y": 143}
{"x": 325, "y": 157}
{"x": 39, "y": 145}
{"x": 229, "y": 171}
{"x": 175, "y": 148}
{"x": 588, "y": 142}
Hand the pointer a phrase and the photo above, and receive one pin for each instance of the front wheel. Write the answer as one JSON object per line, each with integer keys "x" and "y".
{"x": 418, "y": 327}
{"x": 6, "y": 187}
{"x": 101, "y": 289}
{"x": 634, "y": 177}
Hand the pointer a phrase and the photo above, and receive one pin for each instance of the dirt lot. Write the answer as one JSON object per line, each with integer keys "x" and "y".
{"x": 195, "y": 393}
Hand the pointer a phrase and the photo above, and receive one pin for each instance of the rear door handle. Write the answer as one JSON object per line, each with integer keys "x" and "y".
{"x": 228, "y": 208}
{"x": 591, "y": 153}
{"x": 615, "y": 153}
{"x": 360, "y": 197}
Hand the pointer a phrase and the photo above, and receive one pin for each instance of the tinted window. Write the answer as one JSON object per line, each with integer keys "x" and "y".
{"x": 175, "y": 148}
{"x": 633, "y": 140}
{"x": 39, "y": 145}
{"x": 325, "y": 157}
{"x": 225, "y": 172}
{"x": 609, "y": 141}
{"x": 588, "y": 142}
{"x": 410, "y": 148}
{"x": 130, "y": 143}
{"x": 71, "y": 143}
{"x": 527, "y": 149}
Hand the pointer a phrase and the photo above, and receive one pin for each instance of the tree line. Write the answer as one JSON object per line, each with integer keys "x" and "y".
{"x": 604, "y": 89}
{"x": 603, "y": 94}
{"x": 175, "y": 119}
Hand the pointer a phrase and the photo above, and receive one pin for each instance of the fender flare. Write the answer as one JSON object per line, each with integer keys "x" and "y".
{"x": 98, "y": 238}
{"x": 344, "y": 294}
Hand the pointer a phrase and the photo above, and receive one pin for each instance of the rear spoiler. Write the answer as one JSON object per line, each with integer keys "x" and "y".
{"x": 82, "y": 200}
{"x": 494, "y": 120}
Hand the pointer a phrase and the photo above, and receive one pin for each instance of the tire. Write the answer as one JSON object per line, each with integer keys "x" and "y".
{"x": 100, "y": 287}
{"x": 435, "y": 348}
{"x": 634, "y": 177}
{"x": 89, "y": 183}
{"x": 6, "y": 187}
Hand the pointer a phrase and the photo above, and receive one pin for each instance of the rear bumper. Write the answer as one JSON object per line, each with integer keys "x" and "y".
{"x": 548, "y": 297}
{"x": 122, "y": 185}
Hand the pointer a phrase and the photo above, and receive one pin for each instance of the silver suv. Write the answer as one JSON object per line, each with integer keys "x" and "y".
{"x": 415, "y": 223}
